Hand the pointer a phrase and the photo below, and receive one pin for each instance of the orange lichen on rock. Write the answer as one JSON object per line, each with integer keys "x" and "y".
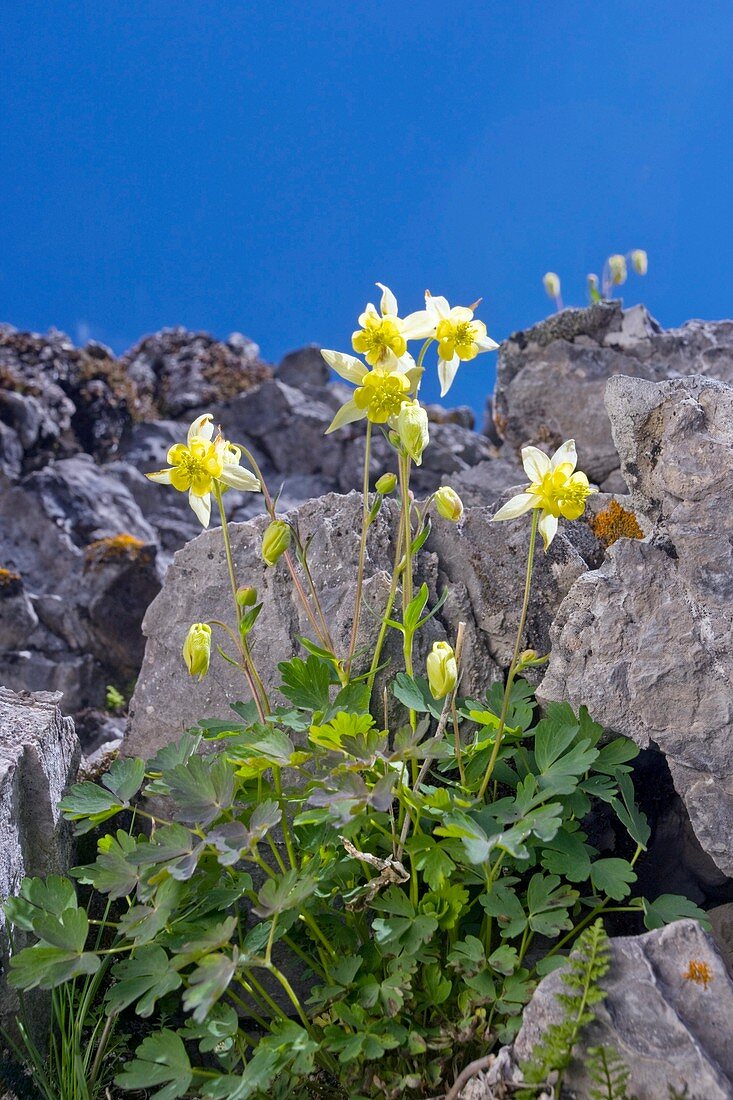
{"x": 613, "y": 523}
{"x": 10, "y": 582}
{"x": 699, "y": 972}
{"x": 116, "y": 547}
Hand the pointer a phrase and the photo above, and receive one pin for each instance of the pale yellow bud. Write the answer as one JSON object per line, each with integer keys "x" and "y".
{"x": 246, "y": 597}
{"x": 275, "y": 541}
{"x": 412, "y": 426}
{"x": 617, "y": 269}
{"x": 551, "y": 283}
{"x": 442, "y": 670}
{"x": 386, "y": 484}
{"x": 639, "y": 261}
{"x": 448, "y": 504}
{"x": 197, "y": 649}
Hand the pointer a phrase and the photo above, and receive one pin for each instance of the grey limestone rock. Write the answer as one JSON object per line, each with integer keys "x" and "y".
{"x": 39, "y": 756}
{"x": 670, "y": 1030}
{"x": 483, "y": 563}
{"x": 551, "y": 378}
{"x": 645, "y": 641}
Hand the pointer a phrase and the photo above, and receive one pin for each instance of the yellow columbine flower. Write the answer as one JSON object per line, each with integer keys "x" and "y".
{"x": 382, "y": 337}
{"x": 412, "y": 428}
{"x": 555, "y": 487}
{"x": 442, "y": 670}
{"x": 460, "y": 337}
{"x": 640, "y": 261}
{"x": 197, "y": 649}
{"x": 200, "y": 464}
{"x": 617, "y": 269}
{"x": 379, "y": 395}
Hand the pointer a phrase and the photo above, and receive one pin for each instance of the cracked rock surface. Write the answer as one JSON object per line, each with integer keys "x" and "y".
{"x": 39, "y": 757}
{"x": 483, "y": 563}
{"x": 645, "y": 641}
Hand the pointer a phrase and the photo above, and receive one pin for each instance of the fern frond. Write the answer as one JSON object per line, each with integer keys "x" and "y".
{"x": 587, "y": 965}
{"x": 610, "y": 1072}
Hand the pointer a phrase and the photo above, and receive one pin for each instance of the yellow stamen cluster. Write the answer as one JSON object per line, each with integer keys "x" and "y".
{"x": 699, "y": 972}
{"x": 379, "y": 336}
{"x": 459, "y": 338}
{"x": 562, "y": 492}
{"x": 195, "y": 466}
{"x": 382, "y": 394}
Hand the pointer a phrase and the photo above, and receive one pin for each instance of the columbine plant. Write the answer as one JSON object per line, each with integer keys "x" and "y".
{"x": 418, "y": 856}
{"x": 615, "y": 273}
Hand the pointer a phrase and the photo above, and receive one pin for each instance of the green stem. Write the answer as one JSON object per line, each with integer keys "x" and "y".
{"x": 362, "y": 546}
{"x": 396, "y": 573}
{"x": 287, "y": 556}
{"x": 277, "y": 783}
{"x": 255, "y": 683}
{"x": 404, "y": 464}
{"x": 515, "y": 657}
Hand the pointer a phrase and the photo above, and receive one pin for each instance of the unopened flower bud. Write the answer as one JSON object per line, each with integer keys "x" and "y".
{"x": 448, "y": 504}
{"x": 617, "y": 268}
{"x": 386, "y": 484}
{"x": 197, "y": 649}
{"x": 412, "y": 425}
{"x": 442, "y": 670}
{"x": 551, "y": 283}
{"x": 593, "y": 292}
{"x": 639, "y": 261}
{"x": 246, "y": 596}
{"x": 275, "y": 541}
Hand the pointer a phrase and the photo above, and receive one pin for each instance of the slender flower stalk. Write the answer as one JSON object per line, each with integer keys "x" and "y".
{"x": 515, "y": 657}
{"x": 404, "y": 464}
{"x": 323, "y": 636}
{"x": 362, "y": 548}
{"x": 255, "y": 682}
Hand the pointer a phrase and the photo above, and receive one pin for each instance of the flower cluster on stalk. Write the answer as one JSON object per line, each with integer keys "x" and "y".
{"x": 388, "y": 382}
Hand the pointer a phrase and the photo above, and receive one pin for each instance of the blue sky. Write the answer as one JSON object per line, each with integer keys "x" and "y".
{"x": 257, "y": 166}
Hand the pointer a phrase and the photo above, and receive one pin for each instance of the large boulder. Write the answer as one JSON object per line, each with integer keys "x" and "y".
{"x": 175, "y": 371}
{"x": 645, "y": 641}
{"x": 667, "y": 1013}
{"x": 482, "y": 563}
{"x": 39, "y": 757}
{"x": 551, "y": 378}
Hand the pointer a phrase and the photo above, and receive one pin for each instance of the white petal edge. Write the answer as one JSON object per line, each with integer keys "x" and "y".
{"x": 161, "y": 477}
{"x": 236, "y": 477}
{"x": 485, "y": 343}
{"x": 201, "y": 428}
{"x": 347, "y": 414}
{"x": 460, "y": 314}
{"x": 353, "y": 370}
{"x": 516, "y": 506}
{"x": 536, "y": 463}
{"x": 419, "y": 325}
{"x": 548, "y": 529}
{"x": 447, "y": 370}
{"x": 388, "y": 303}
{"x": 437, "y": 305}
{"x": 201, "y": 506}
{"x": 565, "y": 453}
